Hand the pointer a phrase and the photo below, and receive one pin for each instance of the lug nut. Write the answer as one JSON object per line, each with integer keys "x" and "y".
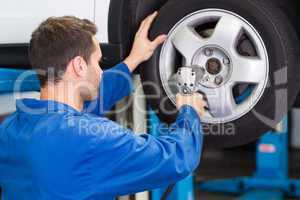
{"x": 226, "y": 61}
{"x": 218, "y": 80}
{"x": 208, "y": 52}
{"x": 206, "y": 78}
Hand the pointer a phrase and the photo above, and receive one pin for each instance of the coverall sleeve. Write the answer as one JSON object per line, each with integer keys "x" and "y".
{"x": 115, "y": 84}
{"x": 126, "y": 163}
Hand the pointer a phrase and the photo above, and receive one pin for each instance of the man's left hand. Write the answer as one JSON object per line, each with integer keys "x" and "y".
{"x": 143, "y": 48}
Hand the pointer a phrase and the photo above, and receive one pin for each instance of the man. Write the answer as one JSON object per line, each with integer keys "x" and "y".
{"x": 61, "y": 146}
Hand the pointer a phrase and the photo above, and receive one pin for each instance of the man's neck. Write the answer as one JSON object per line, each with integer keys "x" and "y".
{"x": 62, "y": 93}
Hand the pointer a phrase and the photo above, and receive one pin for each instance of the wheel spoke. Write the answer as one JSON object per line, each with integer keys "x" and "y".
{"x": 220, "y": 101}
{"x": 248, "y": 70}
{"x": 187, "y": 42}
{"x": 226, "y": 32}
{"x": 172, "y": 83}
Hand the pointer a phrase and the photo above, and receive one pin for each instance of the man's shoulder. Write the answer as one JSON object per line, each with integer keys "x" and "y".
{"x": 8, "y": 118}
{"x": 68, "y": 133}
{"x": 92, "y": 125}
{"x": 62, "y": 127}
{"x": 87, "y": 128}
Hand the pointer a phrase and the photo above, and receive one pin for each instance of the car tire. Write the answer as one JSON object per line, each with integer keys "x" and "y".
{"x": 281, "y": 42}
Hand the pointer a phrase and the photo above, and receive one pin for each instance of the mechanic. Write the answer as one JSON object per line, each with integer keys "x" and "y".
{"x": 61, "y": 146}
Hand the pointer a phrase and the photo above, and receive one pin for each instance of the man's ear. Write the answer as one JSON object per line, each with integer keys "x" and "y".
{"x": 79, "y": 66}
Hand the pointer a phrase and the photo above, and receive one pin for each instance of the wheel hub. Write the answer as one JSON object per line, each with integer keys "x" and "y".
{"x": 215, "y": 63}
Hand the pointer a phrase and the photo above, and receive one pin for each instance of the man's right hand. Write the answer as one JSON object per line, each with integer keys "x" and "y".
{"x": 194, "y": 100}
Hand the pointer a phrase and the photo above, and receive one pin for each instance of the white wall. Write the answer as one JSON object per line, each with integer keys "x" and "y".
{"x": 18, "y": 18}
{"x": 101, "y": 19}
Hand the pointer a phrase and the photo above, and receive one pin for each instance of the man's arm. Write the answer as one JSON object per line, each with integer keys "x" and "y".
{"x": 116, "y": 82}
{"x": 124, "y": 163}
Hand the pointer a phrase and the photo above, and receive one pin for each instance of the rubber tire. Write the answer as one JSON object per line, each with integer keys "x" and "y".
{"x": 282, "y": 45}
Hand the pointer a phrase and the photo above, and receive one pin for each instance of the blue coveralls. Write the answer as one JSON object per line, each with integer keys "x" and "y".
{"x": 50, "y": 151}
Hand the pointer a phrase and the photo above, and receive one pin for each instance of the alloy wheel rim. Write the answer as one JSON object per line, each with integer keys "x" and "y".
{"x": 217, "y": 54}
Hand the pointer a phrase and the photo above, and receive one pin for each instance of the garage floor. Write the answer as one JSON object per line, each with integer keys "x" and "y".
{"x": 234, "y": 162}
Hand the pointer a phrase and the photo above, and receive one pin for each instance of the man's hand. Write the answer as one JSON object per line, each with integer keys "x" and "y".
{"x": 195, "y": 100}
{"x": 143, "y": 48}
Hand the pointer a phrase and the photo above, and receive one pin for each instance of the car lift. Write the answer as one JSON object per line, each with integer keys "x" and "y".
{"x": 183, "y": 190}
{"x": 270, "y": 181}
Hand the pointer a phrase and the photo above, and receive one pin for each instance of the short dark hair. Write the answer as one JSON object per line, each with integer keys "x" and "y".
{"x": 56, "y": 42}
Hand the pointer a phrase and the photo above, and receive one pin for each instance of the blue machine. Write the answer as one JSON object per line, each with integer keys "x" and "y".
{"x": 15, "y": 80}
{"x": 270, "y": 181}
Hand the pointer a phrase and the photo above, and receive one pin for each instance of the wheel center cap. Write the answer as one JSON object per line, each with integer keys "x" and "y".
{"x": 213, "y": 66}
